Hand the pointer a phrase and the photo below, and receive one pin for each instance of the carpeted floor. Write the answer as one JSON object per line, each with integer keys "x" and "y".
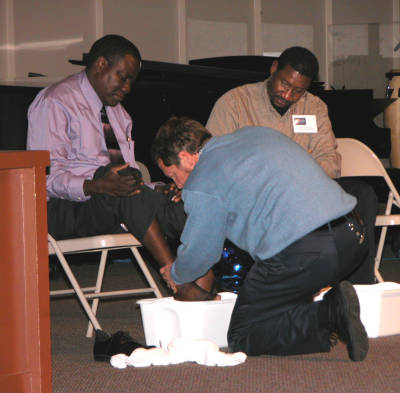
{"x": 75, "y": 371}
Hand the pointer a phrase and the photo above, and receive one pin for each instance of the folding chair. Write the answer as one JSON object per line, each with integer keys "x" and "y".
{"x": 102, "y": 243}
{"x": 359, "y": 160}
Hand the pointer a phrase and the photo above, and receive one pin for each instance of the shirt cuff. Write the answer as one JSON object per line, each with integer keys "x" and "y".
{"x": 76, "y": 189}
{"x": 174, "y": 276}
{"x": 153, "y": 184}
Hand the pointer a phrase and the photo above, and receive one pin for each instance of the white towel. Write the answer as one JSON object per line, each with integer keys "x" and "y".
{"x": 179, "y": 350}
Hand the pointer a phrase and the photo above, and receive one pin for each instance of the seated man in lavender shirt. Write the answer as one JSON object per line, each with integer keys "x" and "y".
{"x": 94, "y": 185}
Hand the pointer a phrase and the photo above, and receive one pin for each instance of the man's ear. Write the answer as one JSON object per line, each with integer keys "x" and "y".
{"x": 274, "y": 66}
{"x": 101, "y": 64}
{"x": 188, "y": 160}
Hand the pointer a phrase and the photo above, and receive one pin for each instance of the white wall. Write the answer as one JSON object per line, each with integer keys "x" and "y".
{"x": 150, "y": 24}
{"x": 45, "y": 34}
{"x": 362, "y": 38}
{"x": 5, "y": 49}
{"x": 217, "y": 28}
{"x": 295, "y": 23}
{"x": 40, "y": 36}
{"x": 362, "y": 11}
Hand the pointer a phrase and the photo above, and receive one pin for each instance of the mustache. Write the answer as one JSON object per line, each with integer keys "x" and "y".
{"x": 282, "y": 99}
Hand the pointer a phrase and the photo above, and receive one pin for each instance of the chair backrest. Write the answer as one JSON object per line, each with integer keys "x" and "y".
{"x": 145, "y": 172}
{"x": 359, "y": 160}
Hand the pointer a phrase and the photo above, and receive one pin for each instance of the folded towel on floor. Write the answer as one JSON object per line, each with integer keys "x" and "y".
{"x": 179, "y": 350}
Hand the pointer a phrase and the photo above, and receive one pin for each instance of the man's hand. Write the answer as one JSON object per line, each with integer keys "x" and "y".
{"x": 166, "y": 275}
{"x": 191, "y": 292}
{"x": 115, "y": 184}
{"x": 172, "y": 192}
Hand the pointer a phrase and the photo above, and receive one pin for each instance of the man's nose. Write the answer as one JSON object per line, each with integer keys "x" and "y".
{"x": 126, "y": 87}
{"x": 287, "y": 94}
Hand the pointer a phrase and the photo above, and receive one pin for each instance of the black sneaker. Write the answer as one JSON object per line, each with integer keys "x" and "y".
{"x": 344, "y": 317}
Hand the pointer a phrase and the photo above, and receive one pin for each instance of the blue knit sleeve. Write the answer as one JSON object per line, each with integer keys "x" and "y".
{"x": 203, "y": 237}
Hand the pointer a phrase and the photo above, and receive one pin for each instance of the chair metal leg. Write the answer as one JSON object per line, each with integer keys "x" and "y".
{"x": 379, "y": 253}
{"x": 378, "y": 276}
{"x": 99, "y": 283}
{"x": 75, "y": 285}
{"x": 100, "y": 276}
{"x": 382, "y": 238}
{"x": 146, "y": 272}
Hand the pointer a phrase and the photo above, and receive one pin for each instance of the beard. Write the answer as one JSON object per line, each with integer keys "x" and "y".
{"x": 279, "y": 108}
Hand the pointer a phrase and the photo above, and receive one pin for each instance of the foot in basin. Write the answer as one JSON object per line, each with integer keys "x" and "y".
{"x": 192, "y": 292}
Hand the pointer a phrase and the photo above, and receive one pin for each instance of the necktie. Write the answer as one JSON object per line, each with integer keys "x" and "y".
{"x": 111, "y": 141}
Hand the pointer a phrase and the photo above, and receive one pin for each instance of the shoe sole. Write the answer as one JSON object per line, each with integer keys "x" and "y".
{"x": 356, "y": 337}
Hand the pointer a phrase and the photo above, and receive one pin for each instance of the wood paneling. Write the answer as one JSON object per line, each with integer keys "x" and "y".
{"x": 25, "y": 358}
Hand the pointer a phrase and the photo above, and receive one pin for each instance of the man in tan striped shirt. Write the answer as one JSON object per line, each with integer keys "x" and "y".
{"x": 280, "y": 102}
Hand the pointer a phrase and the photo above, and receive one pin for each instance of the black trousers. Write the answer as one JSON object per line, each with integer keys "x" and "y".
{"x": 274, "y": 312}
{"x": 103, "y": 214}
{"x": 367, "y": 208}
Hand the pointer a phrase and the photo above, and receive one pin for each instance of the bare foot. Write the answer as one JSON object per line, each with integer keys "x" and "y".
{"x": 192, "y": 292}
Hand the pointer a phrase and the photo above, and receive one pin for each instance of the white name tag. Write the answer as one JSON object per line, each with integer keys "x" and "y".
{"x": 304, "y": 124}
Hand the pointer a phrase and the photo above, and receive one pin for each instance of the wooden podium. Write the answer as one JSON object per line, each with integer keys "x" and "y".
{"x": 25, "y": 357}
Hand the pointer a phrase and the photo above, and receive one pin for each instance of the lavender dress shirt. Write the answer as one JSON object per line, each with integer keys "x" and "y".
{"x": 65, "y": 119}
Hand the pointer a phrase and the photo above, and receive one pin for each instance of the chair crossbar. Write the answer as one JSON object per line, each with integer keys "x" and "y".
{"x": 60, "y": 292}
{"x": 121, "y": 293}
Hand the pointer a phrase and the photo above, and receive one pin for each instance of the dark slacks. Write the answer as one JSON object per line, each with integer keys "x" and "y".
{"x": 103, "y": 214}
{"x": 367, "y": 208}
{"x": 274, "y": 312}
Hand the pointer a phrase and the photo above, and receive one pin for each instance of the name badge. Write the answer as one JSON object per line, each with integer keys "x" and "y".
{"x": 304, "y": 124}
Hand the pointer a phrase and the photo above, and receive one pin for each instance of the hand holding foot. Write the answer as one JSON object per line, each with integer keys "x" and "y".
{"x": 165, "y": 272}
{"x": 192, "y": 292}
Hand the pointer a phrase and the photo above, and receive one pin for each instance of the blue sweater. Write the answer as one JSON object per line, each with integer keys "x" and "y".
{"x": 258, "y": 189}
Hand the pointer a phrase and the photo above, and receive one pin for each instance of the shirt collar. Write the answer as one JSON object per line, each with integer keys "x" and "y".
{"x": 204, "y": 146}
{"x": 90, "y": 94}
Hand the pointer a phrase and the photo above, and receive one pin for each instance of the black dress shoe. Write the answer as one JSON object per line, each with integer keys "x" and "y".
{"x": 106, "y": 346}
{"x": 344, "y": 319}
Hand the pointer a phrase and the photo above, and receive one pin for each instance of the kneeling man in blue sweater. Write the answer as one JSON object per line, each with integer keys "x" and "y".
{"x": 268, "y": 196}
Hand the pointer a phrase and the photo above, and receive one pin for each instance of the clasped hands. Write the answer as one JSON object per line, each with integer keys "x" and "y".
{"x": 124, "y": 181}
{"x": 119, "y": 180}
{"x": 172, "y": 192}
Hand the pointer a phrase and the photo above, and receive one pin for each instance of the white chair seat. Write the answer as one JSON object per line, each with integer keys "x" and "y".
{"x": 96, "y": 243}
{"x": 391, "y": 219}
